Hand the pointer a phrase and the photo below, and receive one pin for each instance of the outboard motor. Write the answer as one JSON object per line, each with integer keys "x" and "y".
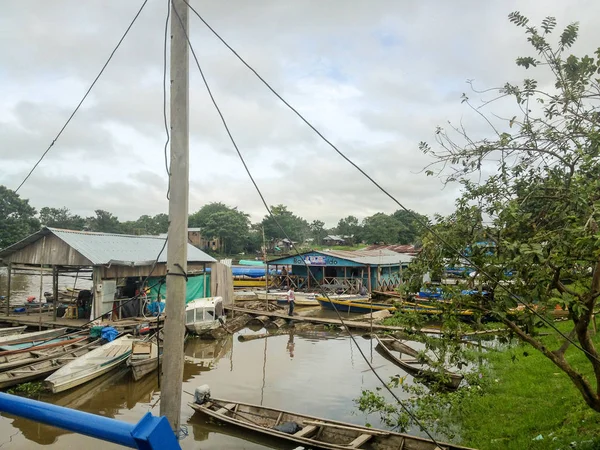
{"x": 202, "y": 394}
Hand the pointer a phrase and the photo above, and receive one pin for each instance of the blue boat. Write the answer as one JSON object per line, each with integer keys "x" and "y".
{"x": 357, "y": 304}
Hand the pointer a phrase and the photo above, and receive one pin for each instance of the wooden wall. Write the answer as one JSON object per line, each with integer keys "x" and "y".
{"x": 142, "y": 271}
{"x": 221, "y": 282}
{"x": 49, "y": 250}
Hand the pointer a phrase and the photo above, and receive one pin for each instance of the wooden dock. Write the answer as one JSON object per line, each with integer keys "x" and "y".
{"x": 46, "y": 320}
{"x": 323, "y": 321}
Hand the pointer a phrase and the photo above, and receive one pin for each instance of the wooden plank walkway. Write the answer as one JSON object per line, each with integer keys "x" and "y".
{"x": 324, "y": 321}
{"x": 45, "y": 320}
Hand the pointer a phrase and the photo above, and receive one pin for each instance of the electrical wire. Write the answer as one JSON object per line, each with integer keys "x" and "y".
{"x": 387, "y": 387}
{"x": 84, "y": 97}
{"x": 166, "y": 122}
{"x": 418, "y": 219}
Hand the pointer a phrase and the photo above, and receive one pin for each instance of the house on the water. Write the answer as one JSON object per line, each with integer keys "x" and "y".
{"x": 344, "y": 271}
{"x": 332, "y": 239}
{"x": 117, "y": 264}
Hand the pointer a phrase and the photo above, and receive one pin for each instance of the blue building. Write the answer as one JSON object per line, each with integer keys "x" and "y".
{"x": 344, "y": 271}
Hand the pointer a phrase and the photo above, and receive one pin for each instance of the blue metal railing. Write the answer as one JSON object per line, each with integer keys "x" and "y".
{"x": 150, "y": 433}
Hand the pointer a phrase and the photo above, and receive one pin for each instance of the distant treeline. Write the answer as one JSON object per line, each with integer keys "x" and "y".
{"x": 232, "y": 227}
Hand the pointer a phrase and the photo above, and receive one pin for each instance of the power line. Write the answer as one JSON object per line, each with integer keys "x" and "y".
{"x": 84, "y": 97}
{"x": 164, "y": 85}
{"x": 293, "y": 245}
{"x": 400, "y": 205}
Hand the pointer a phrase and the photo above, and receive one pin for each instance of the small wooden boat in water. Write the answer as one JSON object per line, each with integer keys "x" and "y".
{"x": 414, "y": 366}
{"x": 44, "y": 366}
{"x": 32, "y": 337}
{"x": 11, "y": 331}
{"x": 91, "y": 365}
{"x": 312, "y": 432}
{"x": 144, "y": 358}
{"x": 17, "y": 358}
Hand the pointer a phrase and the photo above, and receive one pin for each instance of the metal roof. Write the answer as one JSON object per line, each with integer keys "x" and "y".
{"x": 364, "y": 257}
{"x": 382, "y": 257}
{"x": 111, "y": 248}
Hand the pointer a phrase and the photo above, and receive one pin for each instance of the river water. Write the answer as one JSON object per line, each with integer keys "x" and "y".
{"x": 315, "y": 373}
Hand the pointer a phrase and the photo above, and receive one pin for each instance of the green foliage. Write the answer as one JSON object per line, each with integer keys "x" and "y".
{"x": 104, "y": 222}
{"x": 350, "y": 228}
{"x": 61, "y": 218}
{"x": 147, "y": 225}
{"x": 541, "y": 206}
{"x": 231, "y": 227}
{"x": 295, "y": 227}
{"x": 380, "y": 229}
{"x": 17, "y": 218}
{"x": 318, "y": 231}
{"x": 200, "y": 217}
{"x": 32, "y": 389}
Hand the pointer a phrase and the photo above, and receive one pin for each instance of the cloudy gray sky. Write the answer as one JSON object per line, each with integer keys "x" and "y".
{"x": 375, "y": 77}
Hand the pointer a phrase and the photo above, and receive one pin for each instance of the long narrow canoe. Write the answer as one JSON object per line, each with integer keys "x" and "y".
{"x": 357, "y": 306}
{"x": 313, "y": 432}
{"x": 30, "y": 337}
{"x": 11, "y": 331}
{"x": 414, "y": 366}
{"x": 91, "y": 365}
{"x": 9, "y": 360}
{"x": 145, "y": 361}
{"x": 43, "y": 367}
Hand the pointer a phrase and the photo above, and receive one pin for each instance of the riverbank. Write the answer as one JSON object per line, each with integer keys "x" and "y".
{"x": 528, "y": 403}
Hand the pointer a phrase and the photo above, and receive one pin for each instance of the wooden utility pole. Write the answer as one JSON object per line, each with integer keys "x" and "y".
{"x": 266, "y": 272}
{"x": 172, "y": 367}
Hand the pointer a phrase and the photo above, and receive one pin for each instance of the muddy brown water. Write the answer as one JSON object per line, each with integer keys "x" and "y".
{"x": 318, "y": 375}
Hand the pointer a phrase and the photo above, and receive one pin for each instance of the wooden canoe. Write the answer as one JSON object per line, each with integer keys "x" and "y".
{"x": 91, "y": 365}
{"x": 31, "y": 337}
{"x": 142, "y": 363}
{"x": 11, "y": 331}
{"x": 414, "y": 366}
{"x": 313, "y": 432}
{"x": 9, "y": 360}
{"x": 44, "y": 366}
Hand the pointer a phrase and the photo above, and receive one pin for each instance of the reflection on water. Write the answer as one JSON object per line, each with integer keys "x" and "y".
{"x": 23, "y": 286}
{"x": 303, "y": 372}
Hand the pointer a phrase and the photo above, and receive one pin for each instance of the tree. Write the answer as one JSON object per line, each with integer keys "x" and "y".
{"x": 147, "y": 225}
{"x": 295, "y": 227}
{"x": 200, "y": 217}
{"x": 318, "y": 232}
{"x": 17, "y": 218}
{"x": 349, "y": 229}
{"x": 381, "y": 228}
{"x": 542, "y": 207}
{"x": 61, "y": 218}
{"x": 410, "y": 226}
{"x": 231, "y": 227}
{"x": 104, "y": 222}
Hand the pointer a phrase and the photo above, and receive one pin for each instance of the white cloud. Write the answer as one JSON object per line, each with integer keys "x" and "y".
{"x": 375, "y": 77}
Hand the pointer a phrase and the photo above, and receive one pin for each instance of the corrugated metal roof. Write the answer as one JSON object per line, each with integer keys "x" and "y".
{"x": 395, "y": 248}
{"x": 382, "y": 257}
{"x": 105, "y": 248}
{"x": 364, "y": 257}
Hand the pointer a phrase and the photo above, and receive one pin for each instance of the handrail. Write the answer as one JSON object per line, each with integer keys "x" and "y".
{"x": 150, "y": 433}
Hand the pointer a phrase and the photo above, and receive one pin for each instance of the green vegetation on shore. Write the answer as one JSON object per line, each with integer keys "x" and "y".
{"x": 527, "y": 397}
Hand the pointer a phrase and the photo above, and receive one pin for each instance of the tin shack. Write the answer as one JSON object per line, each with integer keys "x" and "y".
{"x": 341, "y": 271}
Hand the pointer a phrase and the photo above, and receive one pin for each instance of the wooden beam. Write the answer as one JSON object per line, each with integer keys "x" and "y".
{"x": 54, "y": 290}
{"x": 8, "y": 280}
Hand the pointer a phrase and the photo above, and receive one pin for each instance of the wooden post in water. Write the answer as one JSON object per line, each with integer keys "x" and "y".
{"x": 54, "y": 290}
{"x": 8, "y": 280}
{"x": 174, "y": 328}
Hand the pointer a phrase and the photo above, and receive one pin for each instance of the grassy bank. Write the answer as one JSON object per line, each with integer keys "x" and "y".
{"x": 528, "y": 397}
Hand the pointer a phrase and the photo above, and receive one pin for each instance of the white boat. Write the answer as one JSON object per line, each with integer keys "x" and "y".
{"x": 31, "y": 337}
{"x": 11, "y": 331}
{"x": 91, "y": 365}
{"x": 144, "y": 358}
{"x": 203, "y": 315}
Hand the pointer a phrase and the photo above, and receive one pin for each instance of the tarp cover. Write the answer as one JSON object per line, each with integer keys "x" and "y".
{"x": 194, "y": 288}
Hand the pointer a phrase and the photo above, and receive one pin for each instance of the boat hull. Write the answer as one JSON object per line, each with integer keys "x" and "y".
{"x": 92, "y": 365}
{"x": 315, "y": 432}
{"x": 10, "y": 360}
{"x": 12, "y": 331}
{"x": 140, "y": 369}
{"x": 351, "y": 306}
{"x": 29, "y": 337}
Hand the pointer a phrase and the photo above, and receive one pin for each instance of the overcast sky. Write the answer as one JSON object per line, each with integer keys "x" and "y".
{"x": 375, "y": 77}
